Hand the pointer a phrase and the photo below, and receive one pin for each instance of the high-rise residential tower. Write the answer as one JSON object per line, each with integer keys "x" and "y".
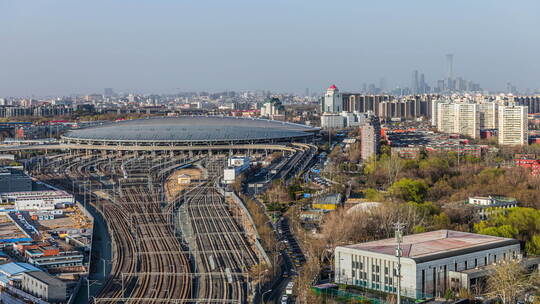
{"x": 513, "y": 125}
{"x": 460, "y": 118}
{"x": 488, "y": 115}
{"x": 467, "y": 119}
{"x": 445, "y": 117}
{"x": 370, "y": 136}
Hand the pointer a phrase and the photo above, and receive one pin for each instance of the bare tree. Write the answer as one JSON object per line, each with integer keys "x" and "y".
{"x": 393, "y": 166}
{"x": 508, "y": 282}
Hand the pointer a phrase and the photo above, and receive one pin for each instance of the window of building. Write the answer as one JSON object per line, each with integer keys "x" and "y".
{"x": 465, "y": 265}
{"x": 423, "y": 281}
{"x": 385, "y": 270}
{"x": 475, "y": 263}
{"x": 455, "y": 266}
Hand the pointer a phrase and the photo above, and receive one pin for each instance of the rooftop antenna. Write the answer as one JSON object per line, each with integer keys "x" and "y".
{"x": 399, "y": 239}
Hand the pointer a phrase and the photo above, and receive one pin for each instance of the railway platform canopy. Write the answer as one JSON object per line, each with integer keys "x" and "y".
{"x": 191, "y": 131}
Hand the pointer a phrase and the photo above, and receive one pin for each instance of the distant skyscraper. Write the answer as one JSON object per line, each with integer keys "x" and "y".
{"x": 414, "y": 82}
{"x": 307, "y": 92}
{"x": 370, "y": 136}
{"x": 513, "y": 126}
{"x": 450, "y": 62}
{"x": 422, "y": 84}
{"x": 108, "y": 92}
{"x": 332, "y": 102}
{"x": 382, "y": 84}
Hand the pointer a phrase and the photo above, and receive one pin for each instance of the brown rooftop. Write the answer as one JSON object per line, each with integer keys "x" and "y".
{"x": 435, "y": 244}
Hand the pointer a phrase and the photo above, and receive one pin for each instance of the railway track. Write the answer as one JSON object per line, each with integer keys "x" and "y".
{"x": 151, "y": 263}
{"x": 145, "y": 246}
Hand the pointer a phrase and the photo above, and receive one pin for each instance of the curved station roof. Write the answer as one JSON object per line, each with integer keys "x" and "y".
{"x": 192, "y": 129}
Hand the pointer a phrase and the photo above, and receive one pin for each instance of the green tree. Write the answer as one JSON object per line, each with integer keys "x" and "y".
{"x": 441, "y": 221}
{"x": 373, "y": 195}
{"x": 409, "y": 190}
{"x": 520, "y": 223}
{"x": 533, "y": 246}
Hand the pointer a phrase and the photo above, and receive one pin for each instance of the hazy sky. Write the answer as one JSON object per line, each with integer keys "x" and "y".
{"x": 157, "y": 46}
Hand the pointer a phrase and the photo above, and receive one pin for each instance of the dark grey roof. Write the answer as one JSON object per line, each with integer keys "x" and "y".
{"x": 46, "y": 278}
{"x": 192, "y": 128}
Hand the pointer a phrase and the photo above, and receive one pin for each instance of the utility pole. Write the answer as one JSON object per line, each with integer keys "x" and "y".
{"x": 399, "y": 239}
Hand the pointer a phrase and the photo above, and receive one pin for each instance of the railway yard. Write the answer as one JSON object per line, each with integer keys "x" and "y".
{"x": 194, "y": 244}
{"x": 190, "y": 249}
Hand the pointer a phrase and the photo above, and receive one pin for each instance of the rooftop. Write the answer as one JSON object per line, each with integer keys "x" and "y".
{"x": 423, "y": 247}
{"x": 10, "y": 269}
{"x": 334, "y": 199}
{"x": 191, "y": 129}
{"x": 45, "y": 278}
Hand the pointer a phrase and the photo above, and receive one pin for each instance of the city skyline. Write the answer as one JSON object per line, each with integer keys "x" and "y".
{"x": 167, "y": 47}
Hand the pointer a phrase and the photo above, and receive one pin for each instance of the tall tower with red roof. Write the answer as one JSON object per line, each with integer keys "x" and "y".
{"x": 332, "y": 101}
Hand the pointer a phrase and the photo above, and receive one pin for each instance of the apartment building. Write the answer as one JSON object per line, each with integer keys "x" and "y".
{"x": 460, "y": 118}
{"x": 446, "y": 116}
{"x": 488, "y": 115}
{"x": 513, "y": 125}
{"x": 370, "y": 136}
{"x": 467, "y": 119}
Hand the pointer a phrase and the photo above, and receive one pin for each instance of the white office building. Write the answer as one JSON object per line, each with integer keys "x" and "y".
{"x": 513, "y": 125}
{"x": 486, "y": 206}
{"x": 37, "y": 200}
{"x": 332, "y": 121}
{"x": 427, "y": 258}
{"x": 332, "y": 101}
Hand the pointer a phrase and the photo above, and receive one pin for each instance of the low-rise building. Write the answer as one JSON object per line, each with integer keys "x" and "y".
{"x": 37, "y": 200}
{"x": 184, "y": 179}
{"x": 13, "y": 180}
{"x": 26, "y": 281}
{"x": 426, "y": 260}
{"x": 327, "y": 202}
{"x": 64, "y": 259}
{"x": 488, "y": 205}
{"x": 332, "y": 121}
{"x": 44, "y": 286}
{"x": 528, "y": 162}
